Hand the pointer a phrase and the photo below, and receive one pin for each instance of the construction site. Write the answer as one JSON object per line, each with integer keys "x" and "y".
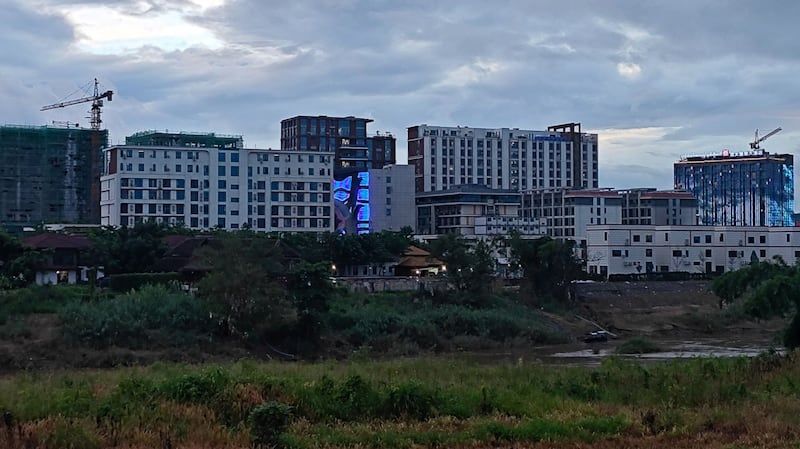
{"x": 51, "y": 174}
{"x": 48, "y": 175}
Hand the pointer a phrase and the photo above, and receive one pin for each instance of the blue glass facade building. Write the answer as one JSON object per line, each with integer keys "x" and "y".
{"x": 753, "y": 188}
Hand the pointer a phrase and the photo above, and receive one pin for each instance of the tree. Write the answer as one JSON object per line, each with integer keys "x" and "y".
{"x": 129, "y": 249}
{"x": 768, "y": 289}
{"x": 18, "y": 263}
{"x": 469, "y": 268}
{"x": 549, "y": 266}
{"x": 309, "y": 290}
{"x": 245, "y": 286}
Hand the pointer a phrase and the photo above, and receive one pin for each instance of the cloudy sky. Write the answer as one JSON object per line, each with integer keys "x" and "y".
{"x": 655, "y": 79}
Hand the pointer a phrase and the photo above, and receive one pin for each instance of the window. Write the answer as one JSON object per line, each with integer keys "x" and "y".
{"x": 708, "y": 253}
{"x": 666, "y": 236}
{"x": 751, "y": 240}
{"x": 648, "y": 252}
{"x": 708, "y": 238}
{"x": 221, "y": 170}
{"x": 221, "y": 156}
{"x": 234, "y": 157}
{"x": 221, "y": 184}
{"x": 234, "y": 171}
{"x": 762, "y": 253}
{"x": 648, "y": 238}
{"x": 636, "y": 238}
{"x": 221, "y": 209}
{"x": 616, "y": 253}
{"x": 676, "y": 253}
{"x": 696, "y": 239}
{"x": 761, "y": 239}
{"x": 221, "y": 197}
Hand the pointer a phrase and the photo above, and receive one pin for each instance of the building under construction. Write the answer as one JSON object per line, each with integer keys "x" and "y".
{"x": 48, "y": 174}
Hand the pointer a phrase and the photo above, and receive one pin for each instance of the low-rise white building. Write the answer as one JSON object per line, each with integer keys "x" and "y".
{"x": 633, "y": 249}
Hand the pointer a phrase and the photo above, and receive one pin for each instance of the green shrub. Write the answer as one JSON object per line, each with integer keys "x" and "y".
{"x": 134, "y": 281}
{"x": 135, "y": 319}
{"x": 410, "y": 400}
{"x": 638, "y": 345}
{"x": 267, "y": 422}
{"x": 197, "y": 388}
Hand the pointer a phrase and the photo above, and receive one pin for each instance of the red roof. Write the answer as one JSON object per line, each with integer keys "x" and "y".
{"x": 58, "y": 241}
{"x": 668, "y": 194}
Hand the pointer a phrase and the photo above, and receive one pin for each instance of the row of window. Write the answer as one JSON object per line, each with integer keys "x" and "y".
{"x": 192, "y": 155}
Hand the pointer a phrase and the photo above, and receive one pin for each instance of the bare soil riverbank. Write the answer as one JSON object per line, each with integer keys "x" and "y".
{"x": 682, "y": 318}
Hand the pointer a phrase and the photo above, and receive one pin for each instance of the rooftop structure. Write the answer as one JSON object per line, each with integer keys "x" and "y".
{"x": 184, "y": 139}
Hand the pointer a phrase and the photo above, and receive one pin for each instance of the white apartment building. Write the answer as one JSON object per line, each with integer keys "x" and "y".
{"x": 202, "y": 183}
{"x": 502, "y": 158}
{"x": 632, "y": 249}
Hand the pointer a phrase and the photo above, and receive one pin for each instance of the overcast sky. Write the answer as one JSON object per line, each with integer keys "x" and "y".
{"x": 655, "y": 79}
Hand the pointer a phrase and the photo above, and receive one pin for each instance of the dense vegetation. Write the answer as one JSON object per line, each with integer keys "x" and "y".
{"x": 421, "y": 402}
{"x": 301, "y": 321}
{"x": 765, "y": 290}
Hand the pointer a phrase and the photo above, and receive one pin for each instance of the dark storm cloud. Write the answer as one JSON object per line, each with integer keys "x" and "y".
{"x": 706, "y": 73}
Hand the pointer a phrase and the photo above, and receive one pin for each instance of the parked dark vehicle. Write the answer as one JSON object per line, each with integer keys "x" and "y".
{"x": 596, "y": 337}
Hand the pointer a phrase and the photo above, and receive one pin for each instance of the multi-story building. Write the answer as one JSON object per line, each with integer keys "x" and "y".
{"x": 49, "y": 175}
{"x": 374, "y": 200}
{"x": 467, "y": 209}
{"x": 752, "y": 188}
{"x": 658, "y": 207}
{"x": 345, "y": 137}
{"x": 502, "y": 158}
{"x": 567, "y": 212}
{"x": 210, "y": 180}
{"x": 633, "y": 249}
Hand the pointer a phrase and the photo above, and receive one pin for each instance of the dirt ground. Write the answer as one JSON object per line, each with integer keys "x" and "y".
{"x": 673, "y": 309}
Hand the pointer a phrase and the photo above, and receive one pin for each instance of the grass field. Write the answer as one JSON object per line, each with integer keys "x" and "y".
{"x": 422, "y": 402}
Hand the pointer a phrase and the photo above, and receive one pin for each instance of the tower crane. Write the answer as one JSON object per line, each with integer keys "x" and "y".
{"x": 97, "y": 104}
{"x": 754, "y": 145}
{"x": 94, "y": 157}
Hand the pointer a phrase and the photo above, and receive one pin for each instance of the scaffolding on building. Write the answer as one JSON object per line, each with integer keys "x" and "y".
{"x": 185, "y": 139}
{"x": 47, "y": 175}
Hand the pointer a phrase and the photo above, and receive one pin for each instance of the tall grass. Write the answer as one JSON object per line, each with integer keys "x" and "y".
{"x": 405, "y": 403}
